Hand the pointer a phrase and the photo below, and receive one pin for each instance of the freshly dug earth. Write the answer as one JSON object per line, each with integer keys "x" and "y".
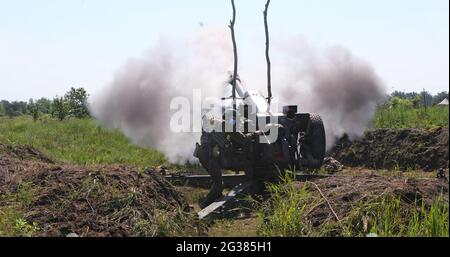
{"x": 90, "y": 201}
{"x": 343, "y": 193}
{"x": 402, "y": 149}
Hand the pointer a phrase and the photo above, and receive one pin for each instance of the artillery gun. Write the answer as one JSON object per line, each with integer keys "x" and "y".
{"x": 250, "y": 137}
{"x": 248, "y": 134}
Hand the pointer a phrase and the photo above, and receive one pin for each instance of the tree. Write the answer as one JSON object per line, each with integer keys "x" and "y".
{"x": 426, "y": 98}
{"x": 2, "y": 110}
{"x": 233, "y": 40}
{"x": 59, "y": 108}
{"x": 33, "y": 110}
{"x": 269, "y": 76}
{"x": 398, "y": 94}
{"x": 77, "y": 102}
{"x": 397, "y": 102}
{"x": 44, "y": 105}
{"x": 416, "y": 101}
{"x": 15, "y": 108}
{"x": 6, "y": 108}
{"x": 411, "y": 95}
{"x": 421, "y": 99}
{"x": 404, "y": 95}
{"x": 439, "y": 97}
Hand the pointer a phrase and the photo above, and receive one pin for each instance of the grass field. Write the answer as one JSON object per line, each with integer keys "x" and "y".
{"x": 408, "y": 117}
{"x": 77, "y": 141}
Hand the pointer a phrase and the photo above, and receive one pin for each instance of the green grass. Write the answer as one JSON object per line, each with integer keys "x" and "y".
{"x": 286, "y": 215}
{"x": 78, "y": 141}
{"x": 12, "y": 209}
{"x": 288, "y": 208}
{"x": 13, "y": 224}
{"x": 388, "y": 217}
{"x": 409, "y": 117}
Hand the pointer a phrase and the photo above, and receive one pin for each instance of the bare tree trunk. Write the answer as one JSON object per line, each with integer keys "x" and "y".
{"x": 269, "y": 79}
{"x": 233, "y": 38}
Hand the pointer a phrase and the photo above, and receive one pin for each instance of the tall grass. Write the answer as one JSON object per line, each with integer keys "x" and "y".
{"x": 285, "y": 214}
{"x": 288, "y": 214}
{"x": 390, "y": 217}
{"x": 409, "y": 117}
{"x": 432, "y": 222}
{"x": 79, "y": 141}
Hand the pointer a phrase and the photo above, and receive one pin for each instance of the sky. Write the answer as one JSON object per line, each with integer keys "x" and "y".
{"x": 48, "y": 46}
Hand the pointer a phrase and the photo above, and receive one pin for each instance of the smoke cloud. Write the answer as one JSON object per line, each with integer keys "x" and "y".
{"x": 334, "y": 83}
{"x": 342, "y": 88}
{"x": 137, "y": 101}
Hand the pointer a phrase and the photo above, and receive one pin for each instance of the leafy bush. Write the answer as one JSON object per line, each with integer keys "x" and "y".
{"x": 76, "y": 100}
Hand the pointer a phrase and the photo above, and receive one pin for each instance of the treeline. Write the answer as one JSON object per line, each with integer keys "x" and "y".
{"x": 423, "y": 99}
{"x": 72, "y": 104}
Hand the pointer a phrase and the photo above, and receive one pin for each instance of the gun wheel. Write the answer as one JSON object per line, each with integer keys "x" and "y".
{"x": 313, "y": 150}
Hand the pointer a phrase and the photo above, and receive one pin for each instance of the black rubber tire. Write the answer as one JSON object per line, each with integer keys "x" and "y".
{"x": 316, "y": 141}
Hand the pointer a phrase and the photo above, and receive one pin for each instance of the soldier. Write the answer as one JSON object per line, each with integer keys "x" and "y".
{"x": 208, "y": 153}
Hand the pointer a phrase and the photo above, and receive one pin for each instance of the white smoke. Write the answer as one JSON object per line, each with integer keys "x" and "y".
{"x": 138, "y": 100}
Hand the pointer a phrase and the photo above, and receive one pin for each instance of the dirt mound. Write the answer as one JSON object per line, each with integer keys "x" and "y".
{"x": 402, "y": 148}
{"x": 23, "y": 153}
{"x": 89, "y": 201}
{"x": 343, "y": 193}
